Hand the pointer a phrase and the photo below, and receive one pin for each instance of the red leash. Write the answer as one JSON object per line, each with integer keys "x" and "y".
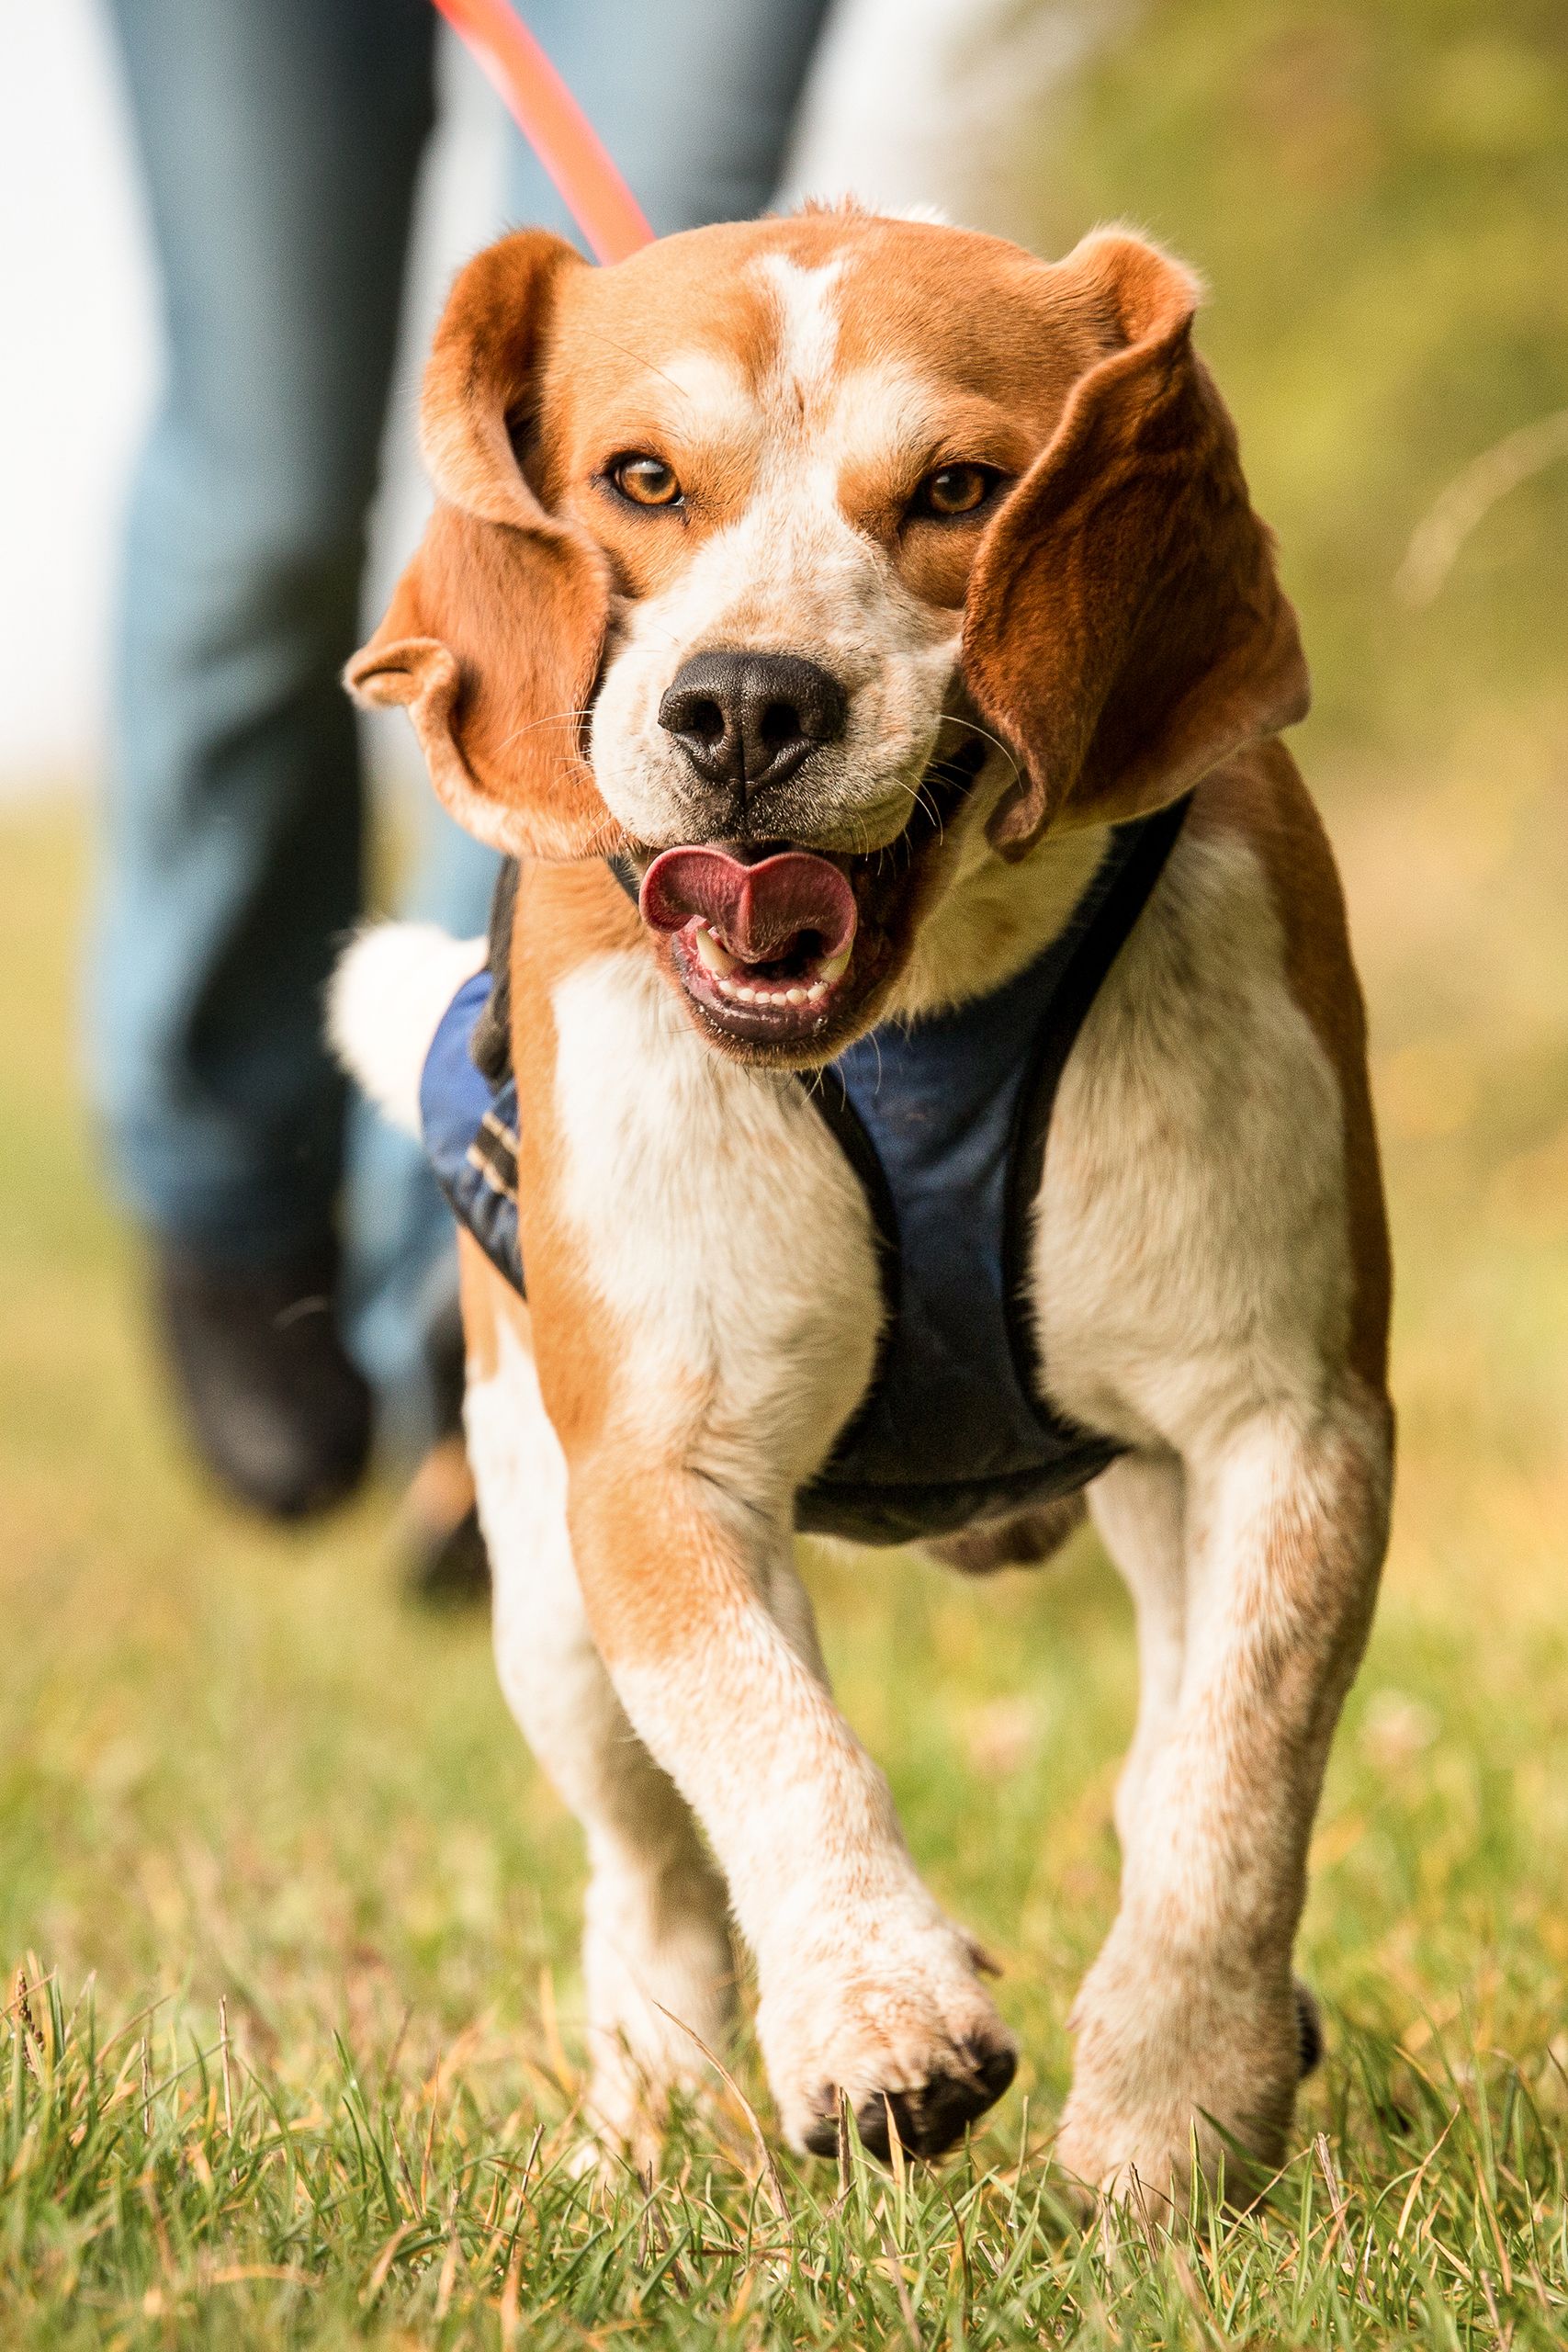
{"x": 554, "y": 125}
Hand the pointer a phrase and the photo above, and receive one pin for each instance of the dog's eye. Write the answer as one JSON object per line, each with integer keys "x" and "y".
{"x": 955, "y": 490}
{"x": 646, "y": 482}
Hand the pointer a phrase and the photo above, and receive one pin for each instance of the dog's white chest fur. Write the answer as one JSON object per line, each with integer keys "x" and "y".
{"x": 719, "y": 1222}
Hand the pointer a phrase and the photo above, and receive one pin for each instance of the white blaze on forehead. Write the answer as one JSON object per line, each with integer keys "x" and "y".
{"x": 876, "y": 411}
{"x": 808, "y": 319}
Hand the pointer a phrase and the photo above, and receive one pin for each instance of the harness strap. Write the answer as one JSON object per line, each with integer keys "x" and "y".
{"x": 554, "y": 125}
{"x": 492, "y": 1047}
{"x": 1100, "y": 944}
{"x": 956, "y": 1424}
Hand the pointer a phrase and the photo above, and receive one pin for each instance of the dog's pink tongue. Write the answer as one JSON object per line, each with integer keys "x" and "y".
{"x": 756, "y": 909}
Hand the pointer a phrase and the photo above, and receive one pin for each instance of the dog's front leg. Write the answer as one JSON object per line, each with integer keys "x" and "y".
{"x": 866, "y": 1987}
{"x": 703, "y": 1269}
{"x": 1186, "y": 2022}
{"x": 658, "y": 1967}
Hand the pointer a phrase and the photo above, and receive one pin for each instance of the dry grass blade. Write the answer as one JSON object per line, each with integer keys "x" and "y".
{"x": 895, "y": 2263}
{"x": 383, "y": 2263}
{"x": 31, "y": 2039}
{"x": 223, "y": 2048}
{"x": 1437, "y": 539}
{"x": 765, "y": 2147}
{"x": 1337, "y": 2201}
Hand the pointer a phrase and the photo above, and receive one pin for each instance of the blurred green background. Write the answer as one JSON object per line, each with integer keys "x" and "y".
{"x": 1378, "y": 195}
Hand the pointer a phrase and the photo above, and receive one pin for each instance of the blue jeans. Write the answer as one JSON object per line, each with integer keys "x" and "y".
{"x": 280, "y": 140}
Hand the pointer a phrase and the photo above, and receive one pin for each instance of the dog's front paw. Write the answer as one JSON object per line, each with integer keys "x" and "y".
{"x": 1172, "y": 2060}
{"x": 891, "y": 2017}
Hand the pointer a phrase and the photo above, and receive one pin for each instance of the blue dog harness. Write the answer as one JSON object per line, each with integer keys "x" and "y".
{"x": 945, "y": 1123}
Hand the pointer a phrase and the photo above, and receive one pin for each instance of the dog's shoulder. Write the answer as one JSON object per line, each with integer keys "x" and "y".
{"x": 1211, "y": 1207}
{"x": 1261, "y": 800}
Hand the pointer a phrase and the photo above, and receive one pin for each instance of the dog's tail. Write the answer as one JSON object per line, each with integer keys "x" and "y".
{"x": 384, "y": 1004}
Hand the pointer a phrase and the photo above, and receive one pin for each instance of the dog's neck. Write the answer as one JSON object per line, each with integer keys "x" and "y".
{"x": 988, "y": 918}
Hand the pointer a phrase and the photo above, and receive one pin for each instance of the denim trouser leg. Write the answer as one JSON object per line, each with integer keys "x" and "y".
{"x": 279, "y": 141}
{"x": 694, "y": 99}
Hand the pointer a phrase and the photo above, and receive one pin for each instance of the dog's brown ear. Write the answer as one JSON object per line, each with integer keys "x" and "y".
{"x": 493, "y": 635}
{"x": 1124, "y": 630}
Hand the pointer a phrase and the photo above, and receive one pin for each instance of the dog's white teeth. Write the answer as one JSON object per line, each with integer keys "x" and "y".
{"x": 717, "y": 957}
{"x": 833, "y": 968}
{"x": 737, "y": 992}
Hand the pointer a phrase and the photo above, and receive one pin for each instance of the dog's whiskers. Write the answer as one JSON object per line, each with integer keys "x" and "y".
{"x": 951, "y": 718}
{"x": 551, "y": 718}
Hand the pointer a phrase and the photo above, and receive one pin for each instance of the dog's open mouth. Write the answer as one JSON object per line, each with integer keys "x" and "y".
{"x": 764, "y": 944}
{"x": 779, "y": 946}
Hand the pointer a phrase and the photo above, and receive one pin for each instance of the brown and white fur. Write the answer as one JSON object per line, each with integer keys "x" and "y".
{"x": 1209, "y": 1258}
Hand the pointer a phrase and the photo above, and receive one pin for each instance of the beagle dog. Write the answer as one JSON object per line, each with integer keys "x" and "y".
{"x": 858, "y": 633}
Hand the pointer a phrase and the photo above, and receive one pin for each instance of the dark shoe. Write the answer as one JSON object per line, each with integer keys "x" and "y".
{"x": 274, "y": 1409}
{"x": 449, "y": 1566}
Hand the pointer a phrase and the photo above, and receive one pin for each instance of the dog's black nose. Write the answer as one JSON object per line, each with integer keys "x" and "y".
{"x": 749, "y": 720}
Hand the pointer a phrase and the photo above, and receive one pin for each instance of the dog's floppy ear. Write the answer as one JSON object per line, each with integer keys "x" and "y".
{"x": 1123, "y": 628}
{"x": 492, "y": 638}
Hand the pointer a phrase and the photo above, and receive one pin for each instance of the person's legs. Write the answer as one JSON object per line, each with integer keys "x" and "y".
{"x": 280, "y": 143}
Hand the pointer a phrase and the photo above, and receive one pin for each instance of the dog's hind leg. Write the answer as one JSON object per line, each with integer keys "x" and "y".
{"x": 1138, "y": 1507}
{"x": 1189, "y": 2024}
{"x": 657, "y": 1964}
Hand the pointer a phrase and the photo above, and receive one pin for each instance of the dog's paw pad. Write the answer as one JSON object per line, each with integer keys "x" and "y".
{"x": 931, "y": 2115}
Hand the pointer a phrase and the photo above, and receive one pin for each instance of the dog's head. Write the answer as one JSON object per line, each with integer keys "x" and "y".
{"x": 779, "y": 555}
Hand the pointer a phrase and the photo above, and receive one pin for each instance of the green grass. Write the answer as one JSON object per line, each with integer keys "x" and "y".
{"x": 297, "y": 2064}
{"x": 166, "y": 2192}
